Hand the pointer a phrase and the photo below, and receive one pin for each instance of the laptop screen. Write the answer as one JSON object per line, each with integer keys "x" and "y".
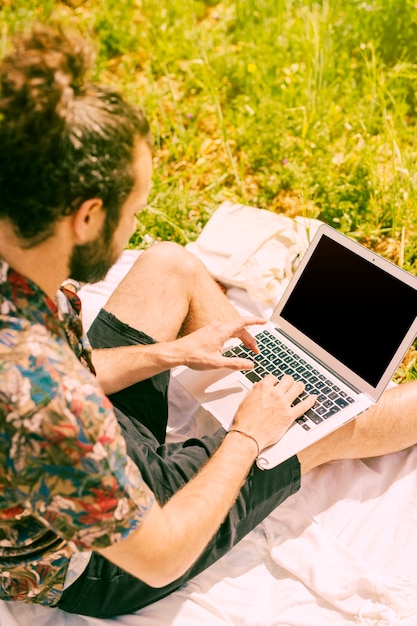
{"x": 351, "y": 308}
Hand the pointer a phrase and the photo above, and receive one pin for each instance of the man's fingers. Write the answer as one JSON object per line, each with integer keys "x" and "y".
{"x": 235, "y": 363}
{"x": 307, "y": 403}
{"x": 249, "y": 340}
{"x": 270, "y": 380}
{"x": 238, "y": 325}
{"x": 288, "y": 386}
{"x": 285, "y": 383}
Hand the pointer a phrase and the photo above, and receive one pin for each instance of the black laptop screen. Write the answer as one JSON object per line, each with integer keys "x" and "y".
{"x": 352, "y": 309}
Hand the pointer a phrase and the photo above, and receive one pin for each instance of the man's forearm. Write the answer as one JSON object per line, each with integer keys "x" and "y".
{"x": 174, "y": 536}
{"x": 118, "y": 368}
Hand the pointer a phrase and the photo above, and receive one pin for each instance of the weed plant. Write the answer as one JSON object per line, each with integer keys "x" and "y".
{"x": 295, "y": 106}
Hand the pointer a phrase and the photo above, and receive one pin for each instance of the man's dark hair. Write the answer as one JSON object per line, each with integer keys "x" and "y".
{"x": 63, "y": 138}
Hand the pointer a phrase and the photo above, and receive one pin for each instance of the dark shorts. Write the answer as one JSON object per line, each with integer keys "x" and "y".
{"x": 104, "y": 590}
{"x": 145, "y": 402}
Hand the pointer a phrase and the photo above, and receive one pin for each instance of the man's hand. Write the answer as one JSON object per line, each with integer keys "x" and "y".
{"x": 203, "y": 348}
{"x": 267, "y": 411}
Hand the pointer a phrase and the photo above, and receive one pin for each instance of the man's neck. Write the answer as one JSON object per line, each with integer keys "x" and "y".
{"x": 45, "y": 264}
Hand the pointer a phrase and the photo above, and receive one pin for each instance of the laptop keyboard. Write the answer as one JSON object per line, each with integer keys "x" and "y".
{"x": 278, "y": 359}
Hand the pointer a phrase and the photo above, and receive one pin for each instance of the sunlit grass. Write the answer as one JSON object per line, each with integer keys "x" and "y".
{"x": 296, "y": 106}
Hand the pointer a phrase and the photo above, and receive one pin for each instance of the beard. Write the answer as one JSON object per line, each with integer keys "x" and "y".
{"x": 90, "y": 262}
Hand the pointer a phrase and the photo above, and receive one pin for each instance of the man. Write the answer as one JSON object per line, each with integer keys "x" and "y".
{"x": 99, "y": 515}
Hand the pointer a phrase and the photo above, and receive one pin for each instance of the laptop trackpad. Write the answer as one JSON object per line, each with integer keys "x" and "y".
{"x": 218, "y": 391}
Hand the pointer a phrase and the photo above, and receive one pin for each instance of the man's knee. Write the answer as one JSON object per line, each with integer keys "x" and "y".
{"x": 172, "y": 257}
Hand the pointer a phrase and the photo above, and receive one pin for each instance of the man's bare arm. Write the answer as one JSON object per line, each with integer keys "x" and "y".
{"x": 172, "y": 537}
{"x": 118, "y": 368}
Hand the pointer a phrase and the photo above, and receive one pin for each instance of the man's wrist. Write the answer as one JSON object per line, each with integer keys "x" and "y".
{"x": 247, "y": 436}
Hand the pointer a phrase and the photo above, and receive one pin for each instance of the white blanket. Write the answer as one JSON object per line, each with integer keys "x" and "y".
{"x": 341, "y": 551}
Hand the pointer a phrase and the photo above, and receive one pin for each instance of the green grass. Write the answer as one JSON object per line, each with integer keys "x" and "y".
{"x": 294, "y": 106}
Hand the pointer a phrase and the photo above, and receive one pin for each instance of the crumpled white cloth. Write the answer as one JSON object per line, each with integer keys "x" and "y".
{"x": 253, "y": 249}
{"x": 317, "y": 539}
{"x": 336, "y": 575}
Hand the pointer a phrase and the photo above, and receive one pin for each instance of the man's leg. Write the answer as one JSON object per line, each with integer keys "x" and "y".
{"x": 387, "y": 427}
{"x": 168, "y": 293}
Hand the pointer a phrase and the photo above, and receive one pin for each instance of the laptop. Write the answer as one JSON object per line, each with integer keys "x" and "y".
{"x": 342, "y": 326}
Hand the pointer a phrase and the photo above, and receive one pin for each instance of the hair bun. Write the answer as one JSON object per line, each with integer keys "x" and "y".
{"x": 46, "y": 70}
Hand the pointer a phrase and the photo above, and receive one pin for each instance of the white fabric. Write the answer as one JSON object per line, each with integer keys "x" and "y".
{"x": 341, "y": 551}
{"x": 254, "y": 249}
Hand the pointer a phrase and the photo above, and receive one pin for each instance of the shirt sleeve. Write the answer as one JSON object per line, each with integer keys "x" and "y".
{"x": 68, "y": 456}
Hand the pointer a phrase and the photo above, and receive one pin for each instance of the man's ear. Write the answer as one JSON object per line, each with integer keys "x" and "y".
{"x": 88, "y": 220}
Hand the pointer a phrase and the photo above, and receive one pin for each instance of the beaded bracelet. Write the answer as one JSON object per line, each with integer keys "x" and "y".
{"x": 241, "y": 432}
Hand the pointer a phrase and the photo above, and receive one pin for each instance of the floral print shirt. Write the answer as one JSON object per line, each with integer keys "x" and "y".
{"x": 66, "y": 482}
